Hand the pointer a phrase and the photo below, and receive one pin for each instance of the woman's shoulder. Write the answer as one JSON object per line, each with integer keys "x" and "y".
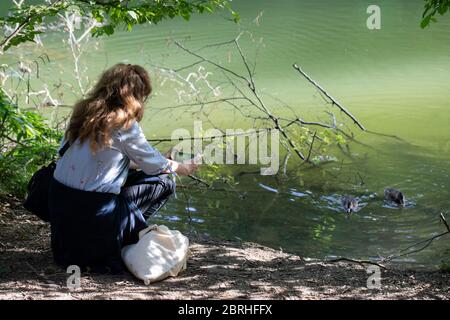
{"x": 133, "y": 132}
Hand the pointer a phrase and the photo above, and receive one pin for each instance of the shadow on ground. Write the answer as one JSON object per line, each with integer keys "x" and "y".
{"x": 216, "y": 270}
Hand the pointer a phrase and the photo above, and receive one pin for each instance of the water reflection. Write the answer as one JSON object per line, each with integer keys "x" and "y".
{"x": 310, "y": 220}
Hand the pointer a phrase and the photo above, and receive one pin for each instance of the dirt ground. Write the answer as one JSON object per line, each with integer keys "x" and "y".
{"x": 216, "y": 270}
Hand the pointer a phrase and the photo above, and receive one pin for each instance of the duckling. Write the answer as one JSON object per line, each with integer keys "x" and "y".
{"x": 395, "y": 196}
{"x": 350, "y": 204}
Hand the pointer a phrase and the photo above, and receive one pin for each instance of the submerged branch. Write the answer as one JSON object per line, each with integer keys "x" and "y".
{"x": 403, "y": 252}
{"x": 195, "y": 178}
{"x": 444, "y": 221}
{"x": 308, "y": 123}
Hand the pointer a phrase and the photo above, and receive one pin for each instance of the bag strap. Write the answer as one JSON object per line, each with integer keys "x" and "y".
{"x": 64, "y": 149}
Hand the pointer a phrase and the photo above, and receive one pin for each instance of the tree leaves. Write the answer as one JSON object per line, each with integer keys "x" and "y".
{"x": 23, "y": 22}
{"x": 18, "y": 125}
{"x": 431, "y": 8}
{"x": 26, "y": 142}
{"x": 112, "y": 14}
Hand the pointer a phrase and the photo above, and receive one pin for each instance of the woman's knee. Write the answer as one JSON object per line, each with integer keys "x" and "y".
{"x": 169, "y": 184}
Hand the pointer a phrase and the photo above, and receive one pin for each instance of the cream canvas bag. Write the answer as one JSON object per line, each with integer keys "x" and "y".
{"x": 159, "y": 253}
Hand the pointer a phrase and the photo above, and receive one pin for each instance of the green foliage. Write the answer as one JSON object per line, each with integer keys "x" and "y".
{"x": 26, "y": 143}
{"x": 216, "y": 173}
{"x": 141, "y": 12}
{"x": 445, "y": 266}
{"x": 325, "y": 139}
{"x": 27, "y": 17}
{"x": 111, "y": 14}
{"x": 432, "y": 7}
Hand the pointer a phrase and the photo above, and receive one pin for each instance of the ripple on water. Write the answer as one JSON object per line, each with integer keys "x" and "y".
{"x": 333, "y": 202}
{"x": 268, "y": 188}
{"x": 299, "y": 194}
{"x": 391, "y": 205}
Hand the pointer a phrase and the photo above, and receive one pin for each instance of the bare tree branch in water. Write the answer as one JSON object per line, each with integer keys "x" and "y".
{"x": 311, "y": 146}
{"x": 211, "y": 137}
{"x": 445, "y": 222}
{"x": 195, "y": 178}
{"x": 332, "y": 100}
{"x": 246, "y": 99}
{"x": 260, "y": 105}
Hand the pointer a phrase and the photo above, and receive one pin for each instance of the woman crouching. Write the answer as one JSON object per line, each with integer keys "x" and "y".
{"x": 98, "y": 199}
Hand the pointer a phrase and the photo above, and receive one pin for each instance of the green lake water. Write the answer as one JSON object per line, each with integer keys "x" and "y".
{"x": 394, "y": 80}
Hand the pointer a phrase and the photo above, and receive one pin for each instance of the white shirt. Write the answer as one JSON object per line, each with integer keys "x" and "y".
{"x": 107, "y": 169}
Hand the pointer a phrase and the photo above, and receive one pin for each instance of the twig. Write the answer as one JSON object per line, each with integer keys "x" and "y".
{"x": 240, "y": 195}
{"x": 444, "y": 221}
{"x": 199, "y": 180}
{"x": 310, "y": 123}
{"x": 361, "y": 262}
{"x": 337, "y": 104}
{"x": 251, "y": 85}
{"x": 405, "y": 250}
{"x": 201, "y": 103}
{"x": 429, "y": 241}
{"x": 311, "y": 146}
{"x": 225, "y": 135}
{"x": 212, "y": 62}
{"x": 345, "y": 152}
{"x": 245, "y": 89}
{"x": 285, "y": 162}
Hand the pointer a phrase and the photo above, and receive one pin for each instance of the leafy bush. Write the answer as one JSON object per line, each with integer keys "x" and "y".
{"x": 444, "y": 266}
{"x": 26, "y": 143}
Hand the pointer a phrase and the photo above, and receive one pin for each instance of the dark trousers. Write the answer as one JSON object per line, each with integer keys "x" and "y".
{"x": 148, "y": 193}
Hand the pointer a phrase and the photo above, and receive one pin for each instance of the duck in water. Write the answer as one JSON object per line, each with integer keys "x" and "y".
{"x": 394, "y": 196}
{"x": 350, "y": 204}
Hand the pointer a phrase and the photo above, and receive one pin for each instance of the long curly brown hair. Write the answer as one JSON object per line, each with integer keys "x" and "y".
{"x": 116, "y": 101}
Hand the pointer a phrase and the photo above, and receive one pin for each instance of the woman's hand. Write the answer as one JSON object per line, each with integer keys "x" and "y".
{"x": 183, "y": 169}
{"x": 169, "y": 154}
{"x": 187, "y": 169}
